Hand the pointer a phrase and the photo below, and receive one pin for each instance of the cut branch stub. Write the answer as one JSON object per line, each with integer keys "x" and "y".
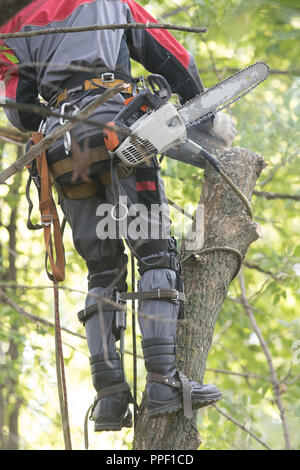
{"x": 206, "y": 283}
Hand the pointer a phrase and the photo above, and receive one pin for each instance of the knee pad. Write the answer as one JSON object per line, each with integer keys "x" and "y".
{"x": 159, "y": 254}
{"x": 115, "y": 277}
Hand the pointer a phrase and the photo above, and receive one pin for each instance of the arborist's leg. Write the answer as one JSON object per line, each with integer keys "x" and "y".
{"x": 167, "y": 390}
{"x": 159, "y": 267}
{"x": 106, "y": 262}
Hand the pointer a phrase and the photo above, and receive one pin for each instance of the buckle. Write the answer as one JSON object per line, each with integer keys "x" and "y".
{"x": 168, "y": 380}
{"x": 175, "y": 297}
{"x": 108, "y": 77}
{"x": 76, "y": 89}
{"x": 48, "y": 222}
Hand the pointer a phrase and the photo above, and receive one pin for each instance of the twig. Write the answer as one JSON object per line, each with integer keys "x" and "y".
{"x": 275, "y": 169}
{"x": 102, "y": 298}
{"x": 274, "y": 379}
{"x": 83, "y": 29}
{"x": 238, "y": 374}
{"x": 270, "y": 196}
{"x": 12, "y": 135}
{"x": 241, "y": 426}
{"x": 213, "y": 62}
{"x": 257, "y": 267}
{"x": 37, "y": 319}
{"x": 176, "y": 11}
{"x": 33, "y": 318}
{"x": 36, "y": 150}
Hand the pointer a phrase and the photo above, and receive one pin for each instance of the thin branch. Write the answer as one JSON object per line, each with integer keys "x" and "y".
{"x": 274, "y": 379}
{"x": 13, "y": 136}
{"x": 45, "y": 113}
{"x": 218, "y": 74}
{"x": 270, "y": 196}
{"x": 83, "y": 29}
{"x": 285, "y": 158}
{"x": 241, "y": 426}
{"x": 257, "y": 267}
{"x": 176, "y": 11}
{"x": 47, "y": 141}
{"x": 102, "y": 298}
{"x": 249, "y": 375}
{"x": 37, "y": 319}
{"x": 33, "y": 318}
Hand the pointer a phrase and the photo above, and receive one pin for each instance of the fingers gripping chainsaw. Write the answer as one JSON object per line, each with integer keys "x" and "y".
{"x": 154, "y": 125}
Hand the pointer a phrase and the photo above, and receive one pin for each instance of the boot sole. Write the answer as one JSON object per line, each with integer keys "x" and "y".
{"x": 173, "y": 408}
{"x": 125, "y": 423}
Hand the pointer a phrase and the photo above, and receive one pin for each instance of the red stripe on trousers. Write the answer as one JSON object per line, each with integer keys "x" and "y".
{"x": 146, "y": 186}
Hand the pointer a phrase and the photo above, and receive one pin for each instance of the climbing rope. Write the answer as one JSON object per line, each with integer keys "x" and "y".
{"x": 212, "y": 249}
{"x": 38, "y": 172}
{"x": 60, "y": 373}
{"x": 134, "y": 352}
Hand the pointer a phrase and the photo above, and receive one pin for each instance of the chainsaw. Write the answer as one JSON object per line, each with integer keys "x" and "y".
{"x": 155, "y": 125}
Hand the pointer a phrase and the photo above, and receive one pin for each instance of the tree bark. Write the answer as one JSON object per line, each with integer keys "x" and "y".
{"x": 207, "y": 279}
{"x": 10, "y": 8}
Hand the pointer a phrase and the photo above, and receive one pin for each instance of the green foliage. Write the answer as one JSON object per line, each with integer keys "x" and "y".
{"x": 240, "y": 32}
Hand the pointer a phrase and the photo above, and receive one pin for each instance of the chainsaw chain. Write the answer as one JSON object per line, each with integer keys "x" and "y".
{"x": 210, "y": 114}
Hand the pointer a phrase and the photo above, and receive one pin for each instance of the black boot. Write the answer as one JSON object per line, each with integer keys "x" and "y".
{"x": 110, "y": 411}
{"x": 168, "y": 390}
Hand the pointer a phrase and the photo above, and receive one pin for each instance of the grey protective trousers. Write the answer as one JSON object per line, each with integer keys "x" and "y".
{"x": 143, "y": 215}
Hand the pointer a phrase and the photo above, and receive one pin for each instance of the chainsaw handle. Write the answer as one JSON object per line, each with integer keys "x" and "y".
{"x": 160, "y": 93}
{"x": 160, "y": 87}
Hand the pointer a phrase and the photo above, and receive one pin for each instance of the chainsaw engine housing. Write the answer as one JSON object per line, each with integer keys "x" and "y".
{"x": 154, "y": 133}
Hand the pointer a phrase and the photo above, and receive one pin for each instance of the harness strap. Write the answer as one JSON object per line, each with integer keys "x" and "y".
{"x": 92, "y": 84}
{"x": 183, "y": 384}
{"x": 171, "y": 295}
{"x": 118, "y": 388}
{"x": 163, "y": 379}
{"x": 66, "y": 165}
{"x": 80, "y": 191}
{"x": 49, "y": 217}
{"x": 85, "y": 314}
{"x": 105, "y": 392}
{"x": 186, "y": 396}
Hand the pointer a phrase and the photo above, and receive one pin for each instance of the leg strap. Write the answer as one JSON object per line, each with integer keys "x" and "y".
{"x": 108, "y": 391}
{"x": 171, "y": 295}
{"x": 183, "y": 384}
{"x": 117, "y": 388}
{"x": 85, "y": 314}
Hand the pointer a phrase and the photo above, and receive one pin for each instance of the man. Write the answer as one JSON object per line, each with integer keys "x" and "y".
{"x": 48, "y": 72}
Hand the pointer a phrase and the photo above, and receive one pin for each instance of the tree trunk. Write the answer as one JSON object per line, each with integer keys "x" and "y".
{"x": 10, "y": 8}
{"x": 207, "y": 280}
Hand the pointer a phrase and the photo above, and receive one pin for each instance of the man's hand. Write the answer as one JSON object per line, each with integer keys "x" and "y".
{"x": 223, "y": 128}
